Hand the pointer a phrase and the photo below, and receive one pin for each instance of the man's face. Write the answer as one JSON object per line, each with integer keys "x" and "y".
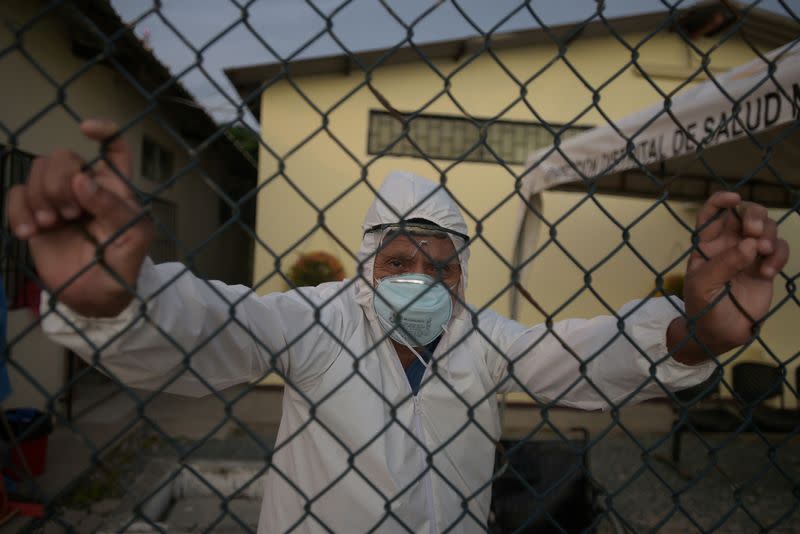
{"x": 432, "y": 255}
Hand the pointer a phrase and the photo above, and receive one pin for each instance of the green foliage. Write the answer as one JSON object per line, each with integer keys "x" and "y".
{"x": 673, "y": 284}
{"x": 112, "y": 475}
{"x": 315, "y": 268}
{"x": 246, "y": 139}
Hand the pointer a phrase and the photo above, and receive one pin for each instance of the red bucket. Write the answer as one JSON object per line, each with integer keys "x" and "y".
{"x": 31, "y": 429}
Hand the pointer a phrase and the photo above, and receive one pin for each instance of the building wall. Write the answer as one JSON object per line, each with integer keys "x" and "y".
{"x": 100, "y": 91}
{"x": 314, "y": 163}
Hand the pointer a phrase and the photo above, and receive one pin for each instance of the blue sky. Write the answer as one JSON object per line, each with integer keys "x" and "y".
{"x": 287, "y": 28}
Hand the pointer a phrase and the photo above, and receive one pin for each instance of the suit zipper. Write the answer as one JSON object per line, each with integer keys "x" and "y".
{"x": 428, "y": 478}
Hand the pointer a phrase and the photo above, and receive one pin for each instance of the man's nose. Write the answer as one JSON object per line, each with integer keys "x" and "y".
{"x": 424, "y": 265}
{"x": 419, "y": 263}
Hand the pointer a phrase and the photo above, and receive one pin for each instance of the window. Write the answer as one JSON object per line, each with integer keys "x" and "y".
{"x": 442, "y": 137}
{"x": 157, "y": 161}
{"x": 165, "y": 216}
{"x": 17, "y": 266}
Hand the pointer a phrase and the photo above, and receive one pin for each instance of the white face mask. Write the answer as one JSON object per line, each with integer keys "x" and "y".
{"x": 413, "y": 308}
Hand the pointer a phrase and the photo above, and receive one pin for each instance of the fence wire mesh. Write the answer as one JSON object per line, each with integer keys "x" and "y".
{"x": 352, "y": 452}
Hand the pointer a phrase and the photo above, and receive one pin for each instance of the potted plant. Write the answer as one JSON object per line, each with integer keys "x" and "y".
{"x": 314, "y": 268}
{"x": 672, "y": 284}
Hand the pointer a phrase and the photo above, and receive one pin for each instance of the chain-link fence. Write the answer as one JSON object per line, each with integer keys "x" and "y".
{"x": 578, "y": 142}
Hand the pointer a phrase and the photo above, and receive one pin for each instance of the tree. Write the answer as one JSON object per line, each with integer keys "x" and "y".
{"x": 246, "y": 139}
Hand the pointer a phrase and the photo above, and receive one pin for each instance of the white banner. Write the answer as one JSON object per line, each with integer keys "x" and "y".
{"x": 703, "y": 114}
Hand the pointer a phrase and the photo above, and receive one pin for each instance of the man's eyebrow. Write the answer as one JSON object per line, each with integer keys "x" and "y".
{"x": 397, "y": 254}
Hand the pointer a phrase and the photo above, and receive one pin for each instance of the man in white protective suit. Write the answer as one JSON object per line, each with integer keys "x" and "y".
{"x": 389, "y": 371}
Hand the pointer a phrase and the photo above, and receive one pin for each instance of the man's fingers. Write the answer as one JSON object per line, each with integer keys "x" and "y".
{"x": 768, "y": 238}
{"x": 772, "y": 264}
{"x": 710, "y": 221}
{"x": 61, "y": 166}
{"x": 21, "y": 220}
{"x": 712, "y": 275}
{"x": 116, "y": 152}
{"x": 753, "y": 218}
{"x": 110, "y": 211}
{"x": 34, "y": 193}
{"x": 97, "y": 200}
{"x": 107, "y": 132}
{"x": 47, "y": 189}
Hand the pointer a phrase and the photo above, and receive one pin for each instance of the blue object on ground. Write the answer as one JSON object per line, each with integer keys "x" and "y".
{"x": 11, "y": 484}
{"x": 27, "y": 423}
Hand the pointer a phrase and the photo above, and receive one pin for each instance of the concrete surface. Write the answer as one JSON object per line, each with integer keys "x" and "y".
{"x": 198, "y": 514}
{"x": 155, "y": 465}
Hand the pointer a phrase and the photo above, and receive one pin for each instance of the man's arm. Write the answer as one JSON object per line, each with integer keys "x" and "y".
{"x": 189, "y": 335}
{"x": 654, "y": 346}
{"x": 729, "y": 278}
{"x": 596, "y": 363}
{"x": 151, "y": 326}
{"x": 87, "y": 233}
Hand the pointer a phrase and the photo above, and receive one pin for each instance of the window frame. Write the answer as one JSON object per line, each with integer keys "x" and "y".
{"x": 165, "y": 218}
{"x": 161, "y": 155}
{"x": 459, "y": 138}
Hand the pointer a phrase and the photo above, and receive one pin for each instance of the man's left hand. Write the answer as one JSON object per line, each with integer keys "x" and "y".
{"x": 729, "y": 279}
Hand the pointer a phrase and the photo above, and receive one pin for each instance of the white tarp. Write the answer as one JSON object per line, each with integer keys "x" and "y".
{"x": 702, "y": 114}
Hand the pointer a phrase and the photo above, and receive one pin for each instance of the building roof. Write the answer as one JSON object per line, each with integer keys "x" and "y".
{"x": 97, "y": 32}
{"x": 765, "y": 28}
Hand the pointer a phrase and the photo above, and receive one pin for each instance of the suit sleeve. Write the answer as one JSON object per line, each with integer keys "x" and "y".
{"x": 594, "y": 363}
{"x": 190, "y": 336}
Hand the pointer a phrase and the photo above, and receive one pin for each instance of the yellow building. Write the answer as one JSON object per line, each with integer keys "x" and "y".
{"x": 332, "y": 130}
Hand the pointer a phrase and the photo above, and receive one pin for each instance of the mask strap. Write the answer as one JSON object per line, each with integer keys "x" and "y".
{"x": 420, "y": 358}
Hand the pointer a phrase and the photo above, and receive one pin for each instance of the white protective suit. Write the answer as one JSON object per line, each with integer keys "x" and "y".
{"x": 361, "y": 460}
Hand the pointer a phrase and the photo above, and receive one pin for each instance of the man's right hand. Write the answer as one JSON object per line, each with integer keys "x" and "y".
{"x": 62, "y": 209}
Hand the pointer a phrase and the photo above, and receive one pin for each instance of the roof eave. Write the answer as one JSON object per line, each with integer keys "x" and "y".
{"x": 768, "y": 29}
{"x": 178, "y": 106}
